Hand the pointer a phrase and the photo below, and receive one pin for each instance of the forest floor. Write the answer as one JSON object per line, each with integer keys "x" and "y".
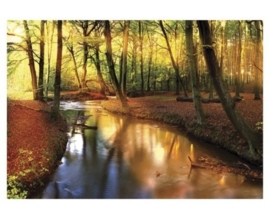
{"x": 36, "y": 144}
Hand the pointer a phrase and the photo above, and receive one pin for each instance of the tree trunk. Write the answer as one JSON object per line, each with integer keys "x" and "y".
{"x": 175, "y": 65}
{"x": 193, "y": 74}
{"x": 124, "y": 60}
{"x": 31, "y": 61}
{"x": 257, "y": 60}
{"x": 108, "y": 39}
{"x": 253, "y": 139}
{"x": 84, "y": 66}
{"x": 49, "y": 46}
{"x": 41, "y": 61}
{"x": 85, "y": 54}
{"x": 70, "y": 49}
{"x": 57, "y": 81}
{"x": 141, "y": 57}
{"x": 99, "y": 75}
{"x": 222, "y": 50}
{"x": 134, "y": 62}
{"x": 238, "y": 61}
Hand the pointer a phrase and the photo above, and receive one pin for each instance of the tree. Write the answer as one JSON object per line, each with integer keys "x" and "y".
{"x": 124, "y": 59}
{"x": 70, "y": 48}
{"x": 193, "y": 73}
{"x": 86, "y": 27}
{"x": 31, "y": 60}
{"x": 258, "y": 63}
{"x": 141, "y": 56}
{"x": 238, "y": 51}
{"x": 253, "y": 139}
{"x": 57, "y": 81}
{"x": 174, "y": 63}
{"x": 110, "y": 62}
{"x": 41, "y": 60}
{"x": 49, "y": 53}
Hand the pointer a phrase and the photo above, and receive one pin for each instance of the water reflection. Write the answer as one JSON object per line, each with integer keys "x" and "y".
{"x": 129, "y": 158}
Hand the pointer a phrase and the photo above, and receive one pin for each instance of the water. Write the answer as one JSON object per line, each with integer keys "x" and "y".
{"x": 131, "y": 158}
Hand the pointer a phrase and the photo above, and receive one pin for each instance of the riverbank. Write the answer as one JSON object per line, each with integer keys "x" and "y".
{"x": 217, "y": 129}
{"x": 35, "y": 146}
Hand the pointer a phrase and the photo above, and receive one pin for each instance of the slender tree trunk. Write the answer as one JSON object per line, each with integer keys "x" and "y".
{"x": 99, "y": 75}
{"x": 108, "y": 39}
{"x": 223, "y": 25}
{"x": 253, "y": 139}
{"x": 49, "y": 46}
{"x": 70, "y": 49}
{"x": 175, "y": 65}
{"x": 124, "y": 62}
{"x": 193, "y": 75}
{"x": 41, "y": 61}
{"x": 84, "y": 66}
{"x": 31, "y": 61}
{"x": 57, "y": 81}
{"x": 238, "y": 61}
{"x": 141, "y": 57}
{"x": 134, "y": 62}
{"x": 257, "y": 60}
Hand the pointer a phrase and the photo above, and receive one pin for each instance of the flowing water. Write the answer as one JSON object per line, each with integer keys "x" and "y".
{"x": 131, "y": 158}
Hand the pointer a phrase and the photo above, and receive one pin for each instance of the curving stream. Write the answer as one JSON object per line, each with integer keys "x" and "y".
{"x": 131, "y": 158}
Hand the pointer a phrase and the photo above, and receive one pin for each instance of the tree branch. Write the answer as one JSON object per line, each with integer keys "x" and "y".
{"x": 257, "y": 67}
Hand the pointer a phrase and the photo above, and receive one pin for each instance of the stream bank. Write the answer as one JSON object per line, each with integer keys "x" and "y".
{"x": 216, "y": 130}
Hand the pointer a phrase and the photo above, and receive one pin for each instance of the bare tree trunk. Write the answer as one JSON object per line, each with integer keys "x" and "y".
{"x": 41, "y": 61}
{"x": 108, "y": 39}
{"x": 31, "y": 61}
{"x": 223, "y": 25}
{"x": 70, "y": 49}
{"x": 84, "y": 66}
{"x": 99, "y": 75}
{"x": 150, "y": 61}
{"x": 134, "y": 62}
{"x": 124, "y": 62}
{"x": 253, "y": 139}
{"x": 238, "y": 61}
{"x": 57, "y": 82}
{"x": 141, "y": 60}
{"x": 192, "y": 69}
{"x": 257, "y": 60}
{"x": 49, "y": 45}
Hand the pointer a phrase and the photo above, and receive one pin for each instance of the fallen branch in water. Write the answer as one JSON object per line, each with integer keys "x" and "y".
{"x": 86, "y": 126}
{"x": 222, "y": 167}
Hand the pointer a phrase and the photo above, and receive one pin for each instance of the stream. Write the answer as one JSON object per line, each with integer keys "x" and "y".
{"x": 129, "y": 158}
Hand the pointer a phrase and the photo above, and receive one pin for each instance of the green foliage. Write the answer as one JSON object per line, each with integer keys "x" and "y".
{"x": 259, "y": 126}
{"x": 15, "y": 189}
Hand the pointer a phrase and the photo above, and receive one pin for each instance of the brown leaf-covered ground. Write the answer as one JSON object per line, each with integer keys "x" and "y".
{"x": 35, "y": 143}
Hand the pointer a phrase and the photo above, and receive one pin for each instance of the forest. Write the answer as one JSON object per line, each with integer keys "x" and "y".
{"x": 146, "y": 56}
{"x": 197, "y": 61}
